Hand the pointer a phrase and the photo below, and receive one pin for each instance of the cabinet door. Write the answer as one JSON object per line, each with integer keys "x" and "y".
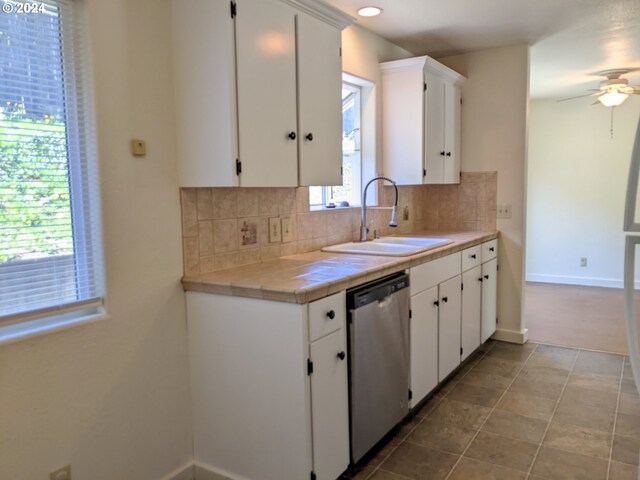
{"x": 452, "y": 112}
{"x": 449, "y": 326}
{"x": 319, "y": 102}
{"x": 330, "y": 406}
{"x": 489, "y": 292}
{"x": 471, "y": 298}
{"x": 434, "y": 129}
{"x": 424, "y": 344}
{"x": 266, "y": 80}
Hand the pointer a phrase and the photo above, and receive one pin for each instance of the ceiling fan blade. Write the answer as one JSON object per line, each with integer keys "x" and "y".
{"x": 581, "y": 96}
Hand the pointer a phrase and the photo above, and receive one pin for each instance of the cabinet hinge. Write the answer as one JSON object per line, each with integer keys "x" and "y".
{"x": 234, "y": 9}
{"x": 424, "y": 172}
{"x": 340, "y": 51}
{"x": 425, "y": 86}
{"x": 410, "y": 314}
{"x": 410, "y": 394}
{"x": 496, "y": 319}
{"x": 460, "y": 100}
{"x": 313, "y": 476}
{"x": 462, "y": 286}
{"x": 309, "y": 366}
{"x": 341, "y": 171}
{"x": 497, "y": 268}
{"x": 461, "y": 351}
{"x": 238, "y": 167}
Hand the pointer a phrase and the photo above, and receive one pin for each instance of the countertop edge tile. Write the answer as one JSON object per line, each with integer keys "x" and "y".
{"x": 281, "y": 279}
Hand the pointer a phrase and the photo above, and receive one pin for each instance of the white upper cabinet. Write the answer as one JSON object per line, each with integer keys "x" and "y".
{"x": 319, "y": 102}
{"x": 258, "y": 87}
{"x": 421, "y": 121}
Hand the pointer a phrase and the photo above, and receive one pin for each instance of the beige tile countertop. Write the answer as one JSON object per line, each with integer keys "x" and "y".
{"x": 310, "y": 276}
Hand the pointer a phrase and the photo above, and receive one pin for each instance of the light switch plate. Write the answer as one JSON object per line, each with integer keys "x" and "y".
{"x": 503, "y": 210}
{"x": 138, "y": 148}
{"x": 287, "y": 233}
{"x": 275, "y": 232}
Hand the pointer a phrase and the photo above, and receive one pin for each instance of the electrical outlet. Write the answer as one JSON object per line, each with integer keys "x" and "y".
{"x": 287, "y": 233}
{"x": 63, "y": 473}
{"x": 583, "y": 261}
{"x": 503, "y": 211}
{"x": 138, "y": 148}
{"x": 275, "y": 232}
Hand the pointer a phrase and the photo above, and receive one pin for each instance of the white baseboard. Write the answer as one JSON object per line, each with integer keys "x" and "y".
{"x": 184, "y": 472}
{"x": 584, "y": 281}
{"x": 511, "y": 336}
{"x": 206, "y": 472}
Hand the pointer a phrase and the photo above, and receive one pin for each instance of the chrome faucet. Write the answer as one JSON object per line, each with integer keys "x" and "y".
{"x": 363, "y": 214}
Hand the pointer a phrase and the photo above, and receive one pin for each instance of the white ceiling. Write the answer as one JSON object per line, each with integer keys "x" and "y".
{"x": 571, "y": 39}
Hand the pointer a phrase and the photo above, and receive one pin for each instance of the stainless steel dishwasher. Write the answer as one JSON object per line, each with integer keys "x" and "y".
{"x": 378, "y": 360}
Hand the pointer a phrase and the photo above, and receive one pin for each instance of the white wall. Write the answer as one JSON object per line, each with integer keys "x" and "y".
{"x": 494, "y": 137}
{"x": 577, "y": 178}
{"x": 112, "y": 397}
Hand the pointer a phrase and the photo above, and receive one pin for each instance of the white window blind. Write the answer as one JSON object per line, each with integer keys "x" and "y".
{"x": 50, "y": 238}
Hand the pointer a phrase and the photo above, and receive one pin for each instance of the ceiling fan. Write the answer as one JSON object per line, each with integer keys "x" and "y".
{"x": 614, "y": 90}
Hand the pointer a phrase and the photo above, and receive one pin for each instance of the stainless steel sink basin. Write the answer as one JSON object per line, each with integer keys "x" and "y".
{"x": 390, "y": 246}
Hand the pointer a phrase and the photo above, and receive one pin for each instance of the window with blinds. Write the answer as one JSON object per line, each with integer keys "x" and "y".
{"x": 50, "y": 239}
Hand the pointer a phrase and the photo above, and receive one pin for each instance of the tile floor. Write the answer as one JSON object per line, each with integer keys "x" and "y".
{"x": 522, "y": 412}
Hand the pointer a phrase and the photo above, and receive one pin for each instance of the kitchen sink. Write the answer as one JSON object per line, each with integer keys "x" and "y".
{"x": 390, "y": 246}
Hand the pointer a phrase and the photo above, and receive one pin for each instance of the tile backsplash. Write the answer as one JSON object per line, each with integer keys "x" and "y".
{"x": 228, "y": 227}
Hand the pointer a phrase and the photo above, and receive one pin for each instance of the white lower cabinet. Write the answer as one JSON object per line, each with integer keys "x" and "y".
{"x": 471, "y": 305}
{"x": 449, "y": 302}
{"x": 268, "y": 402}
{"x": 489, "y": 293}
{"x": 423, "y": 327}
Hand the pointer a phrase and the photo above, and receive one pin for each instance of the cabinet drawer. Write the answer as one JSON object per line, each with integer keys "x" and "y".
{"x": 432, "y": 273}
{"x": 471, "y": 257}
{"x": 326, "y": 315}
{"x": 489, "y": 250}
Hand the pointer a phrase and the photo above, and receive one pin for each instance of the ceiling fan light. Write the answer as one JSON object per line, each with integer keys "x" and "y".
{"x": 369, "y": 11}
{"x": 612, "y": 99}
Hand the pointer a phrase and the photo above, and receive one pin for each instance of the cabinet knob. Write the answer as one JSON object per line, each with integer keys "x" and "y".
{"x": 442, "y": 153}
{"x": 331, "y": 314}
{"x": 341, "y": 355}
{"x": 292, "y": 135}
{"x": 445, "y": 299}
{"x": 309, "y": 136}
{"x": 486, "y": 277}
{"x": 436, "y": 303}
{"x": 480, "y": 279}
{"x": 448, "y": 154}
{"x": 473, "y": 256}
{"x": 491, "y": 249}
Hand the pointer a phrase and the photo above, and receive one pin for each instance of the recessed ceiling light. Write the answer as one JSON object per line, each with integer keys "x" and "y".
{"x": 369, "y": 11}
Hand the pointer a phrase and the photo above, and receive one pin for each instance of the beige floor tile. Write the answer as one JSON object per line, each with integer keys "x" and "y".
{"x": 583, "y": 416}
{"x": 629, "y": 404}
{"x": 579, "y": 439}
{"x": 380, "y": 456}
{"x": 486, "y": 379}
{"x": 420, "y": 463}
{"x": 599, "y": 363}
{"x": 628, "y": 386}
{"x": 504, "y": 451}
{"x": 527, "y": 405}
{"x": 554, "y": 464}
{"x": 628, "y": 425}
{"x": 498, "y": 366}
{"x": 470, "y": 469}
{"x": 516, "y": 426}
{"x": 435, "y": 433}
{"x": 537, "y": 388}
{"x": 363, "y": 473}
{"x": 516, "y": 353}
{"x": 625, "y": 449}
{"x": 464, "y": 392}
{"x": 620, "y": 471}
{"x": 538, "y": 373}
{"x": 384, "y": 475}
{"x": 555, "y": 357}
{"x": 461, "y": 413}
{"x": 594, "y": 382}
{"x": 607, "y": 400}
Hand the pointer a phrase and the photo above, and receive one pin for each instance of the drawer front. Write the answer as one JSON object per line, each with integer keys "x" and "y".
{"x": 489, "y": 250}
{"x": 471, "y": 257}
{"x": 327, "y": 315}
{"x": 432, "y": 273}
